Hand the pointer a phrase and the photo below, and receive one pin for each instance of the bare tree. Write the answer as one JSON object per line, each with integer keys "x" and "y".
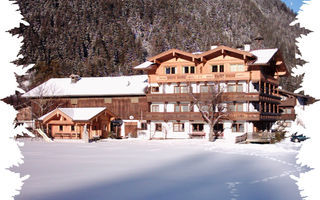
{"x": 211, "y": 107}
{"x": 45, "y": 100}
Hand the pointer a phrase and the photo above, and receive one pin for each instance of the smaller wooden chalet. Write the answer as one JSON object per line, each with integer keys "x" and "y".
{"x": 77, "y": 123}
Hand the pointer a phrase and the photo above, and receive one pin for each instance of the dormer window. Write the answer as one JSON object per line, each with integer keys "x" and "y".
{"x": 170, "y": 70}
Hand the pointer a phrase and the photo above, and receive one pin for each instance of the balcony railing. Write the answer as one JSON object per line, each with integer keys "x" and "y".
{"x": 196, "y": 116}
{"x": 287, "y": 116}
{"x": 288, "y": 102}
{"x": 199, "y": 77}
{"x": 228, "y": 96}
{"x": 173, "y": 116}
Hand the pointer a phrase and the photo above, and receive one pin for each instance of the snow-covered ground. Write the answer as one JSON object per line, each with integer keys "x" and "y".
{"x": 159, "y": 169}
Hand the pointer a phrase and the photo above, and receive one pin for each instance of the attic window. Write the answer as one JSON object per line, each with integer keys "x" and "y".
{"x": 107, "y": 100}
{"x": 217, "y": 68}
{"x": 134, "y": 100}
{"x": 74, "y": 101}
{"x": 170, "y": 70}
{"x": 189, "y": 69}
{"x": 237, "y": 68}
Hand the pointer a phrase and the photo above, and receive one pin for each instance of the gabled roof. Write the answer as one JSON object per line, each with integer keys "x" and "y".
{"x": 170, "y": 54}
{"x": 91, "y": 86}
{"x": 223, "y": 48}
{"x": 263, "y": 55}
{"x": 78, "y": 114}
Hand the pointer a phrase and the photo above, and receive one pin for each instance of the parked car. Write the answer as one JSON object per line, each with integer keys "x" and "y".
{"x": 298, "y": 138}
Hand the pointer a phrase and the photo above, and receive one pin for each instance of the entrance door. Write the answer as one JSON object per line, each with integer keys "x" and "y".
{"x": 130, "y": 129}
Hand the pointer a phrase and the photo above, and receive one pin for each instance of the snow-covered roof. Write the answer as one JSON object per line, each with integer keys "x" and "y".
{"x": 144, "y": 65}
{"x": 91, "y": 86}
{"x": 196, "y": 53}
{"x": 78, "y": 114}
{"x": 263, "y": 55}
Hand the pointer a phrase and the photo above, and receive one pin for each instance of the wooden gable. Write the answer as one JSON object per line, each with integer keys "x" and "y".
{"x": 57, "y": 117}
{"x": 225, "y": 51}
{"x": 170, "y": 54}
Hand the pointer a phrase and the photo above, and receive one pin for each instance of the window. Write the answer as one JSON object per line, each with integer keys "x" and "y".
{"x": 155, "y": 89}
{"x": 221, "y": 69}
{"x": 72, "y": 128}
{"x": 236, "y": 68}
{"x": 206, "y": 88}
{"x": 170, "y": 70}
{"x": 181, "y": 108}
{"x": 178, "y": 127}
{"x": 237, "y": 127}
{"x": 158, "y": 127}
{"x": 107, "y": 100}
{"x": 235, "y": 88}
{"x": 214, "y": 68}
{"x": 181, "y": 89}
{"x": 74, "y": 101}
{"x": 205, "y": 108}
{"x": 144, "y": 126}
{"x": 154, "y": 108}
{"x": 237, "y": 107}
{"x": 287, "y": 111}
{"x": 134, "y": 100}
{"x": 60, "y": 128}
{"x": 188, "y": 69}
{"x": 197, "y": 127}
{"x": 217, "y": 68}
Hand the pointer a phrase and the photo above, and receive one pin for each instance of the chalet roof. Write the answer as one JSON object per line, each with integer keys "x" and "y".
{"x": 263, "y": 55}
{"x": 91, "y": 86}
{"x": 281, "y": 91}
{"x": 224, "y": 48}
{"x": 171, "y": 53}
{"x": 78, "y": 114}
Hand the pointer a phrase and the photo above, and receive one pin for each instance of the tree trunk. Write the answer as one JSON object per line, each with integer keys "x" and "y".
{"x": 212, "y": 135}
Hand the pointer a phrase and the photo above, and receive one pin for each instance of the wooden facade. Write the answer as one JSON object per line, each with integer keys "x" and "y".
{"x": 232, "y": 66}
{"x": 122, "y": 107}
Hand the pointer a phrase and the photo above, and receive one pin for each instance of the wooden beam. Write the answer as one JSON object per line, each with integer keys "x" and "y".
{"x": 156, "y": 61}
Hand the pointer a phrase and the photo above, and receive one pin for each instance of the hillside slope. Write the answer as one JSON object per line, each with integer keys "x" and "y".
{"x": 108, "y": 37}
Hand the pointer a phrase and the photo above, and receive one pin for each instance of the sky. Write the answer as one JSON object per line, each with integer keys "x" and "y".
{"x": 293, "y": 4}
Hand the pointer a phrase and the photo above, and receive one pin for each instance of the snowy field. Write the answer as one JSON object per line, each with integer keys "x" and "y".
{"x": 159, "y": 169}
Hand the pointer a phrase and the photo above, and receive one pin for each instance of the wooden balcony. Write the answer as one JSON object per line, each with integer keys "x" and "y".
{"x": 228, "y": 96}
{"x": 247, "y": 116}
{"x": 222, "y": 76}
{"x": 288, "y": 102}
{"x": 161, "y": 116}
{"x": 196, "y": 116}
{"x": 234, "y": 76}
{"x": 288, "y": 117}
{"x": 240, "y": 96}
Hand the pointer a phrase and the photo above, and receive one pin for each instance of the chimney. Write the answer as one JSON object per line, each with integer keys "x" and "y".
{"x": 247, "y": 47}
{"x": 74, "y": 78}
{"x": 258, "y": 40}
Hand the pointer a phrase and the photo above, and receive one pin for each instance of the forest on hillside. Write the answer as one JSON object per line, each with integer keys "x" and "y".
{"x": 109, "y": 37}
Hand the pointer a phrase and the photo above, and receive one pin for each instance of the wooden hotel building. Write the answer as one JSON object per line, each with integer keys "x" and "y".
{"x": 250, "y": 81}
